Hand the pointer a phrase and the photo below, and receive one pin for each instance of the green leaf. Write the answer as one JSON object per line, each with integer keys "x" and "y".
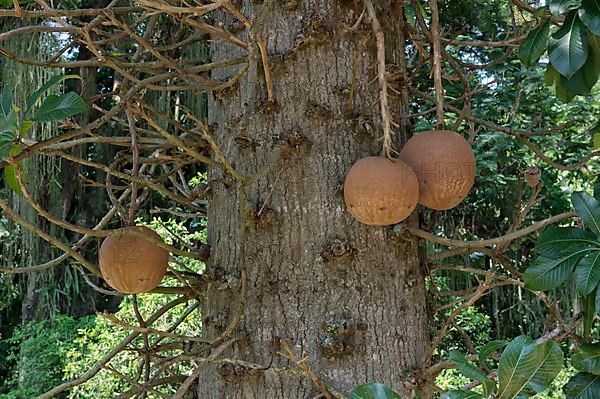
{"x": 10, "y": 123}
{"x": 55, "y": 108}
{"x": 584, "y": 80}
{"x": 462, "y": 395}
{"x": 534, "y": 44}
{"x": 551, "y": 75}
{"x": 589, "y": 14}
{"x": 555, "y": 80}
{"x": 540, "y": 12}
{"x": 547, "y": 273}
{"x": 25, "y": 128}
{"x": 596, "y": 145}
{"x": 557, "y": 7}
{"x": 469, "y": 370}
{"x": 373, "y": 391}
{"x": 525, "y": 367}
{"x": 490, "y": 348}
{"x": 568, "y": 47}
{"x": 559, "y": 241}
{"x": 10, "y": 172}
{"x": 587, "y": 273}
{"x": 589, "y": 312}
{"x": 5, "y": 102}
{"x": 583, "y": 386}
{"x": 36, "y": 95}
{"x": 588, "y": 209}
{"x": 587, "y": 358}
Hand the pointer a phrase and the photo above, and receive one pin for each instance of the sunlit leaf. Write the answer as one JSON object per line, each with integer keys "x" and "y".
{"x": 526, "y": 367}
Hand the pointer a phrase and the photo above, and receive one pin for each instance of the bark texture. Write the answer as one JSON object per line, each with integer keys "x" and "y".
{"x": 348, "y": 296}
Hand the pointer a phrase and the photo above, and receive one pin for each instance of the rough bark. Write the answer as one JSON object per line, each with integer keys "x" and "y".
{"x": 349, "y": 296}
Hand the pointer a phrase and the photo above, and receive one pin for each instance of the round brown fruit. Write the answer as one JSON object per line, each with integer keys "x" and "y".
{"x": 131, "y": 264}
{"x": 445, "y": 167}
{"x": 380, "y": 192}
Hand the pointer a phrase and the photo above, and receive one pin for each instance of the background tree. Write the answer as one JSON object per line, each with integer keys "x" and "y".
{"x": 230, "y": 126}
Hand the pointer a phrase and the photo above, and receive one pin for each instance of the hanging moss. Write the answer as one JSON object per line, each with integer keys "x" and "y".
{"x": 26, "y": 249}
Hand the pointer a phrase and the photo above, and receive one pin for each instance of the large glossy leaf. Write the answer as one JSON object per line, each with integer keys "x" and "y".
{"x": 557, "y": 7}
{"x": 559, "y": 241}
{"x": 534, "y": 44}
{"x": 36, "y": 95}
{"x": 588, "y": 209}
{"x": 469, "y": 370}
{"x": 587, "y": 358}
{"x": 547, "y": 273}
{"x": 584, "y": 80}
{"x": 489, "y": 349}
{"x": 462, "y": 395}
{"x": 55, "y": 108}
{"x": 568, "y": 47}
{"x": 526, "y": 367}
{"x": 589, "y": 14}
{"x": 583, "y": 386}
{"x": 373, "y": 391}
{"x": 587, "y": 273}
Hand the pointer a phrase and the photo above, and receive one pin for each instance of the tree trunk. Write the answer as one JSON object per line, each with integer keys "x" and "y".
{"x": 349, "y": 297}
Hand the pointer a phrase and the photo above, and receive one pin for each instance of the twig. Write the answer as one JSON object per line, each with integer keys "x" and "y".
{"x": 196, "y": 373}
{"x": 266, "y": 68}
{"x": 437, "y": 64}
{"x": 482, "y": 289}
{"x": 326, "y": 391}
{"x": 386, "y": 118}
{"x": 492, "y": 241}
{"x": 116, "y": 349}
{"x": 136, "y": 167}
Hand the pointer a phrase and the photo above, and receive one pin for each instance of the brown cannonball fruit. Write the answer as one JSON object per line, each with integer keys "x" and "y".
{"x": 380, "y": 192}
{"x": 445, "y": 167}
{"x": 532, "y": 176}
{"x": 131, "y": 264}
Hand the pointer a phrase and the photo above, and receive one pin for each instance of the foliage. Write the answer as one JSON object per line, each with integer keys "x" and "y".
{"x": 573, "y": 49}
{"x": 526, "y": 368}
{"x": 373, "y": 391}
{"x": 564, "y": 250}
{"x": 40, "y": 349}
{"x": 15, "y": 125}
